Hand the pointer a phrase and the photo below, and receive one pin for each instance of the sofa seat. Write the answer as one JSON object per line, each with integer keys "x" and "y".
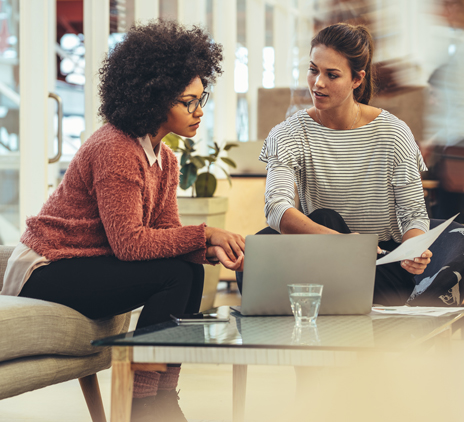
{"x": 44, "y": 343}
{"x": 21, "y": 375}
{"x": 31, "y": 327}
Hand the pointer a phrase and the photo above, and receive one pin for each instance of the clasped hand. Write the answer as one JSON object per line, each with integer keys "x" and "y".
{"x": 225, "y": 247}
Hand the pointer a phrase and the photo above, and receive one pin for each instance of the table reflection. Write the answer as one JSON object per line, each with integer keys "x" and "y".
{"x": 329, "y": 332}
{"x": 306, "y": 336}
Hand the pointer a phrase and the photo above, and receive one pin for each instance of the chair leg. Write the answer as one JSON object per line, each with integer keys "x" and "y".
{"x": 91, "y": 390}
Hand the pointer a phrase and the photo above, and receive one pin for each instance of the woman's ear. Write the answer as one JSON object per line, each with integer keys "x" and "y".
{"x": 358, "y": 80}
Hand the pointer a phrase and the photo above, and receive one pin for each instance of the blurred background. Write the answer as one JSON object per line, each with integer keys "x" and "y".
{"x": 57, "y": 46}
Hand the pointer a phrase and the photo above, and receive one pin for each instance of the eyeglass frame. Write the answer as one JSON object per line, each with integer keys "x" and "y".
{"x": 199, "y": 101}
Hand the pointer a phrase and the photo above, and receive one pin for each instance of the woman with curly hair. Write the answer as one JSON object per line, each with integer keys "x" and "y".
{"x": 109, "y": 239}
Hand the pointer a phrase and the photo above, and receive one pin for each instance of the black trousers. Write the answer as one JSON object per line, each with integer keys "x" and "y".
{"x": 104, "y": 286}
{"x": 393, "y": 284}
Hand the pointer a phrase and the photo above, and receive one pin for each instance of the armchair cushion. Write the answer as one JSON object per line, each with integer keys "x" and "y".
{"x": 31, "y": 327}
{"x": 27, "y": 374}
{"x": 5, "y": 253}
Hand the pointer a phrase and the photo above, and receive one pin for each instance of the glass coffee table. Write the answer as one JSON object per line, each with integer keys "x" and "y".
{"x": 335, "y": 341}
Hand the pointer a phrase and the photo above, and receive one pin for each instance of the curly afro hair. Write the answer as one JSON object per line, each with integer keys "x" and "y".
{"x": 145, "y": 73}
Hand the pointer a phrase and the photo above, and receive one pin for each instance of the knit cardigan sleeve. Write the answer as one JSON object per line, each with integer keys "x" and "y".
{"x": 121, "y": 195}
{"x": 169, "y": 219}
{"x": 129, "y": 239}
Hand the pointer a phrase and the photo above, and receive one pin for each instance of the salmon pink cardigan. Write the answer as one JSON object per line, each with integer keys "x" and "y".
{"x": 112, "y": 202}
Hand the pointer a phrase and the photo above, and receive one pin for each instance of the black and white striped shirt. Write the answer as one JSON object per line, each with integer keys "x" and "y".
{"x": 369, "y": 175}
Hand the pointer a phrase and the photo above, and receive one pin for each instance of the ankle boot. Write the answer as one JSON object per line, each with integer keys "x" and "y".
{"x": 164, "y": 407}
{"x": 167, "y": 404}
{"x": 142, "y": 410}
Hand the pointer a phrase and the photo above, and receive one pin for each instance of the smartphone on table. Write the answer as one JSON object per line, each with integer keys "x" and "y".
{"x": 209, "y": 316}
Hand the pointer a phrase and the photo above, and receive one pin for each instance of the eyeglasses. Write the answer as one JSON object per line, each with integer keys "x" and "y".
{"x": 192, "y": 105}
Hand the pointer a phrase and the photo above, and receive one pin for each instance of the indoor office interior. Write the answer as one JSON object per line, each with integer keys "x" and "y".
{"x": 50, "y": 53}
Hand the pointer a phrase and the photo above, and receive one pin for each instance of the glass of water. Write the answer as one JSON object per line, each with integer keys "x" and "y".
{"x": 305, "y": 300}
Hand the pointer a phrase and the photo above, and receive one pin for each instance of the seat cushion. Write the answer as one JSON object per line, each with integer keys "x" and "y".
{"x": 30, "y": 327}
{"x": 5, "y": 253}
{"x": 28, "y": 374}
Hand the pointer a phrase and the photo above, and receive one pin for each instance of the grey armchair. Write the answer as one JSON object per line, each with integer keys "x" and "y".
{"x": 44, "y": 343}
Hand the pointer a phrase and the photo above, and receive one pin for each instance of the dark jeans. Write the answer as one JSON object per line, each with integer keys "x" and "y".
{"x": 104, "y": 286}
{"x": 393, "y": 284}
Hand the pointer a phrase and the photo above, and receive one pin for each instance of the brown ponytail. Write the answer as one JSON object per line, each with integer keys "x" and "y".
{"x": 357, "y": 45}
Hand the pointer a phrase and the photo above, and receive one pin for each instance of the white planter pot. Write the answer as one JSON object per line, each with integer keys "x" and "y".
{"x": 212, "y": 211}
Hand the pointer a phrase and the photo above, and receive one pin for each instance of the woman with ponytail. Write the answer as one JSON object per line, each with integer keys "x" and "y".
{"x": 356, "y": 167}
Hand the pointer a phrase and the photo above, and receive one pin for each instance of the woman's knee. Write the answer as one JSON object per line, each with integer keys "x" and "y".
{"x": 198, "y": 276}
{"x": 329, "y": 218}
{"x": 323, "y": 214}
{"x": 180, "y": 273}
{"x": 268, "y": 230}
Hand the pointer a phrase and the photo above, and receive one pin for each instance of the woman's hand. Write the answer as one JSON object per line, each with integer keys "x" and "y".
{"x": 232, "y": 244}
{"x": 418, "y": 265}
{"x": 211, "y": 254}
{"x": 216, "y": 253}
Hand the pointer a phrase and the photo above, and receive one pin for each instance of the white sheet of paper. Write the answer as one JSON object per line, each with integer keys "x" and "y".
{"x": 416, "y": 246}
{"x": 415, "y": 310}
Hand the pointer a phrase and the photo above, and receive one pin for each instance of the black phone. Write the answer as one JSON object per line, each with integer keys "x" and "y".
{"x": 198, "y": 318}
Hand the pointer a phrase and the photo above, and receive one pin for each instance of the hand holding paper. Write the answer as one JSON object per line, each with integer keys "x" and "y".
{"x": 414, "y": 247}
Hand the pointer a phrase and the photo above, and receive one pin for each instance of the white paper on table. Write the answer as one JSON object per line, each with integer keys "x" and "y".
{"x": 415, "y": 246}
{"x": 415, "y": 310}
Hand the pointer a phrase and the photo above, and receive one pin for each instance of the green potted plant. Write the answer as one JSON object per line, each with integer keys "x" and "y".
{"x": 202, "y": 206}
{"x": 191, "y": 163}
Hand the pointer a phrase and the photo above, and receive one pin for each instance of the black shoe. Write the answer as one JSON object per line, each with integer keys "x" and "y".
{"x": 143, "y": 410}
{"x": 167, "y": 404}
{"x": 164, "y": 407}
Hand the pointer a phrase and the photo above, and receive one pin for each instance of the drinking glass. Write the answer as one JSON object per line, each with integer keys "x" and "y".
{"x": 305, "y": 300}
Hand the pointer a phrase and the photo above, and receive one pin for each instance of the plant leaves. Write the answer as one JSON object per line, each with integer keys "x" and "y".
{"x": 205, "y": 185}
{"x": 229, "y": 162}
{"x": 189, "y": 142}
{"x": 188, "y": 175}
{"x": 227, "y": 175}
{"x": 230, "y": 145}
{"x": 198, "y": 161}
{"x": 172, "y": 141}
{"x": 184, "y": 158}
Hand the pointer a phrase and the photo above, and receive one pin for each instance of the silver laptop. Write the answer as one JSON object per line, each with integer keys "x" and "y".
{"x": 344, "y": 264}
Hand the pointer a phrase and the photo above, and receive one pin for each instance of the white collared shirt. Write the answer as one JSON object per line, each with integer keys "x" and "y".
{"x": 153, "y": 155}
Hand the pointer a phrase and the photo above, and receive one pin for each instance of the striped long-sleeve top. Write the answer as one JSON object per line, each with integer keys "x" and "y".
{"x": 369, "y": 175}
